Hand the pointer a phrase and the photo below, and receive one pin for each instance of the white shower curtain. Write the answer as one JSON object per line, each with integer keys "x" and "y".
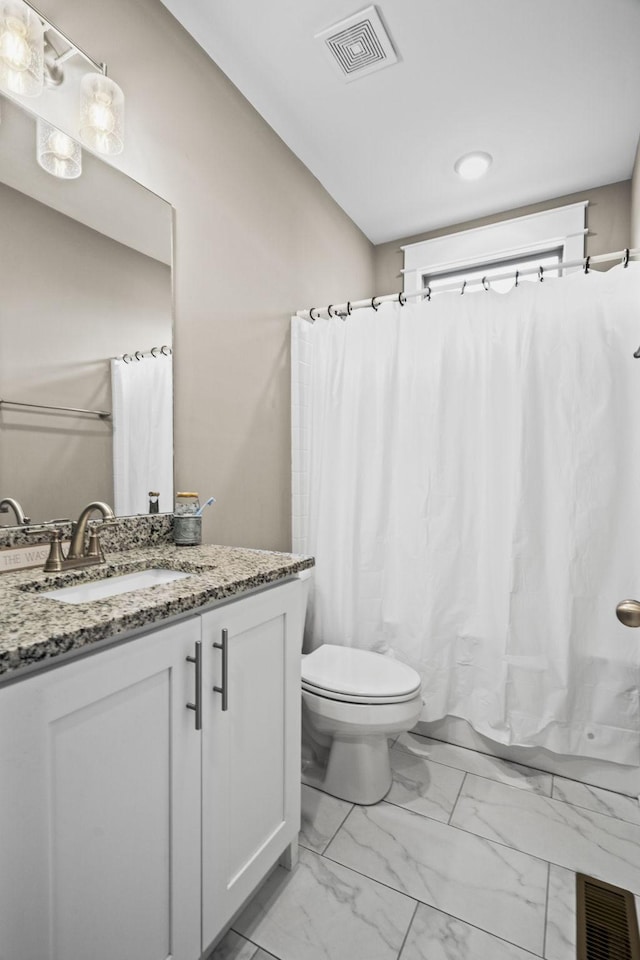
{"x": 466, "y": 472}
{"x": 142, "y": 397}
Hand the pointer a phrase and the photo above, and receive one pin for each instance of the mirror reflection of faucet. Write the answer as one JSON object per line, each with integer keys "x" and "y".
{"x": 7, "y": 502}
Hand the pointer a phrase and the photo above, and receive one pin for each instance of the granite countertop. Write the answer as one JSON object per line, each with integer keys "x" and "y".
{"x": 35, "y": 629}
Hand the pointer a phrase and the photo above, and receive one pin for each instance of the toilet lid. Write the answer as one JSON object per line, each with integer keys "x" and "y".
{"x": 347, "y": 673}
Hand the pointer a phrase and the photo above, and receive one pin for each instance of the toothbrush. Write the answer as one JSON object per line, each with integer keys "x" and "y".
{"x": 208, "y": 503}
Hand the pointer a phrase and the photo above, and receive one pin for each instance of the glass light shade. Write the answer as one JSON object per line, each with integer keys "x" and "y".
{"x": 21, "y": 49}
{"x": 58, "y": 153}
{"x": 473, "y": 165}
{"x": 101, "y": 114}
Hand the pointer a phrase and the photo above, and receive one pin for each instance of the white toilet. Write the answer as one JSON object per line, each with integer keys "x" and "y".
{"x": 352, "y": 701}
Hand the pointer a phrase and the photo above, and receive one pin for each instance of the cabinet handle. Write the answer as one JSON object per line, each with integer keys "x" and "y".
{"x": 197, "y": 706}
{"x": 224, "y": 689}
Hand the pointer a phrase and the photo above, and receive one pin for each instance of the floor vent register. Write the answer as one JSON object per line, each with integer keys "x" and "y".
{"x": 607, "y": 921}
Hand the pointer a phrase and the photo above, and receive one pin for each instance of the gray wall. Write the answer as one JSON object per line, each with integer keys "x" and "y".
{"x": 257, "y": 238}
{"x": 608, "y": 222}
{"x": 71, "y": 300}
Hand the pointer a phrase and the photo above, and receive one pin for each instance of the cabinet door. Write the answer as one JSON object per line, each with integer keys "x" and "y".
{"x": 251, "y": 751}
{"x": 100, "y": 806}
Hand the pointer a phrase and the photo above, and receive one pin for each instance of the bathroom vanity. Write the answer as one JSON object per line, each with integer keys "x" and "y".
{"x": 149, "y": 752}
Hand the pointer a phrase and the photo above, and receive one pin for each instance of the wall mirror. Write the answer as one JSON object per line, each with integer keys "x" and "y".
{"x": 85, "y": 277}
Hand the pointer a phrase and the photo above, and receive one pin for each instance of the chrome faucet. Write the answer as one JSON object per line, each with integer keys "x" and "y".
{"x": 79, "y": 554}
{"x": 21, "y": 520}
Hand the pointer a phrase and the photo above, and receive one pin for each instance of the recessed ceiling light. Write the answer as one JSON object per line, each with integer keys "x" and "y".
{"x": 473, "y": 165}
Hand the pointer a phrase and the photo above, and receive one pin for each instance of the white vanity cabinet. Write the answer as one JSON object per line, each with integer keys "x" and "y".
{"x": 127, "y": 833}
{"x": 250, "y": 746}
{"x": 100, "y": 806}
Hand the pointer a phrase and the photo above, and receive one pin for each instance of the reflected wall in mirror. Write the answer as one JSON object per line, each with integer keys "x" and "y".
{"x": 85, "y": 276}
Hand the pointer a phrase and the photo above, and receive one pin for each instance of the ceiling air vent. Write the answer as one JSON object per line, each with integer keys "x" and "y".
{"x": 358, "y": 45}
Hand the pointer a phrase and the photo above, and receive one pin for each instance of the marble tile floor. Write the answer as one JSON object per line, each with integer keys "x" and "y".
{"x": 468, "y": 857}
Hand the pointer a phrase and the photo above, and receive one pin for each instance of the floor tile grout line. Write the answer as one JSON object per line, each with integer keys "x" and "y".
{"x": 401, "y": 806}
{"x": 535, "y": 770}
{"x": 407, "y": 931}
{"x": 580, "y": 806}
{"x": 517, "y": 763}
{"x": 339, "y": 827}
{"x": 546, "y": 911}
{"x": 472, "y": 773}
{"x": 478, "y": 836}
{"x": 484, "y": 776}
{"x": 426, "y": 904}
{"x": 490, "y": 756}
{"x": 249, "y": 940}
{"x": 554, "y": 800}
{"x": 457, "y": 798}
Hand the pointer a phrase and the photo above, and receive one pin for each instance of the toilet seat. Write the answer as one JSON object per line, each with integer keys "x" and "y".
{"x": 358, "y": 676}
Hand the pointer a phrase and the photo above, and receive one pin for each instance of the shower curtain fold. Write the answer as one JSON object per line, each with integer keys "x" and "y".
{"x": 142, "y": 397}
{"x": 466, "y": 472}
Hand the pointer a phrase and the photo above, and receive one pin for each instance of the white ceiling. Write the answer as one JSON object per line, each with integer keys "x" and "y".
{"x": 551, "y": 88}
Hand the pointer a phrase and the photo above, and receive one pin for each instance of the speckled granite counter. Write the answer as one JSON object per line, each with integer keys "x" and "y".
{"x": 35, "y": 629}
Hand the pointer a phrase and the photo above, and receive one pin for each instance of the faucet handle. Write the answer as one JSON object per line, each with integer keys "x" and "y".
{"x": 94, "y": 548}
{"x": 55, "y": 560}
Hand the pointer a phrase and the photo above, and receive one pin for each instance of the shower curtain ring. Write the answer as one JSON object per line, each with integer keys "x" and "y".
{"x": 427, "y": 290}
{"x": 517, "y": 277}
{"x": 374, "y": 304}
{"x": 402, "y": 298}
{"x": 586, "y": 265}
{"x": 348, "y": 308}
{"x": 464, "y": 283}
{"x": 311, "y": 316}
{"x": 138, "y": 355}
{"x": 329, "y": 309}
{"x": 485, "y": 283}
{"x": 637, "y": 354}
{"x": 625, "y": 261}
{"x": 540, "y": 274}
{"x": 126, "y": 357}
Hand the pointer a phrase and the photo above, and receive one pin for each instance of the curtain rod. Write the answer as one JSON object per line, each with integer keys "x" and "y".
{"x": 345, "y": 309}
{"x": 163, "y": 351}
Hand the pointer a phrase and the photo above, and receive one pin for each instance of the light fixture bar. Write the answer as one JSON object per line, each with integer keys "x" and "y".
{"x": 48, "y": 25}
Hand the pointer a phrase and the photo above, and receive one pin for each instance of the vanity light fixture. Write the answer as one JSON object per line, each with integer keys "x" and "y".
{"x": 32, "y": 52}
{"x": 474, "y": 165}
{"x": 21, "y": 49}
{"x": 101, "y": 114}
{"x": 58, "y": 153}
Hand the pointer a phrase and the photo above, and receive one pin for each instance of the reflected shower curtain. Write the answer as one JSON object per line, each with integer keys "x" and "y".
{"x": 466, "y": 472}
{"x": 142, "y": 395}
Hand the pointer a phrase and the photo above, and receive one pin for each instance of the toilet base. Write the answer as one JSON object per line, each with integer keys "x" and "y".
{"x": 357, "y": 771}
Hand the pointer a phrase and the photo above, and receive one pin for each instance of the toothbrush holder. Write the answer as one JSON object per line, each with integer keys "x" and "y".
{"x": 187, "y": 530}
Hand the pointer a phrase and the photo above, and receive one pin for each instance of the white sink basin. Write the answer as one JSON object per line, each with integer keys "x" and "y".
{"x": 112, "y": 586}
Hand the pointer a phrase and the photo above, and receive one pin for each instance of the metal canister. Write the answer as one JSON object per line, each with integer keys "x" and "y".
{"x": 187, "y": 530}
